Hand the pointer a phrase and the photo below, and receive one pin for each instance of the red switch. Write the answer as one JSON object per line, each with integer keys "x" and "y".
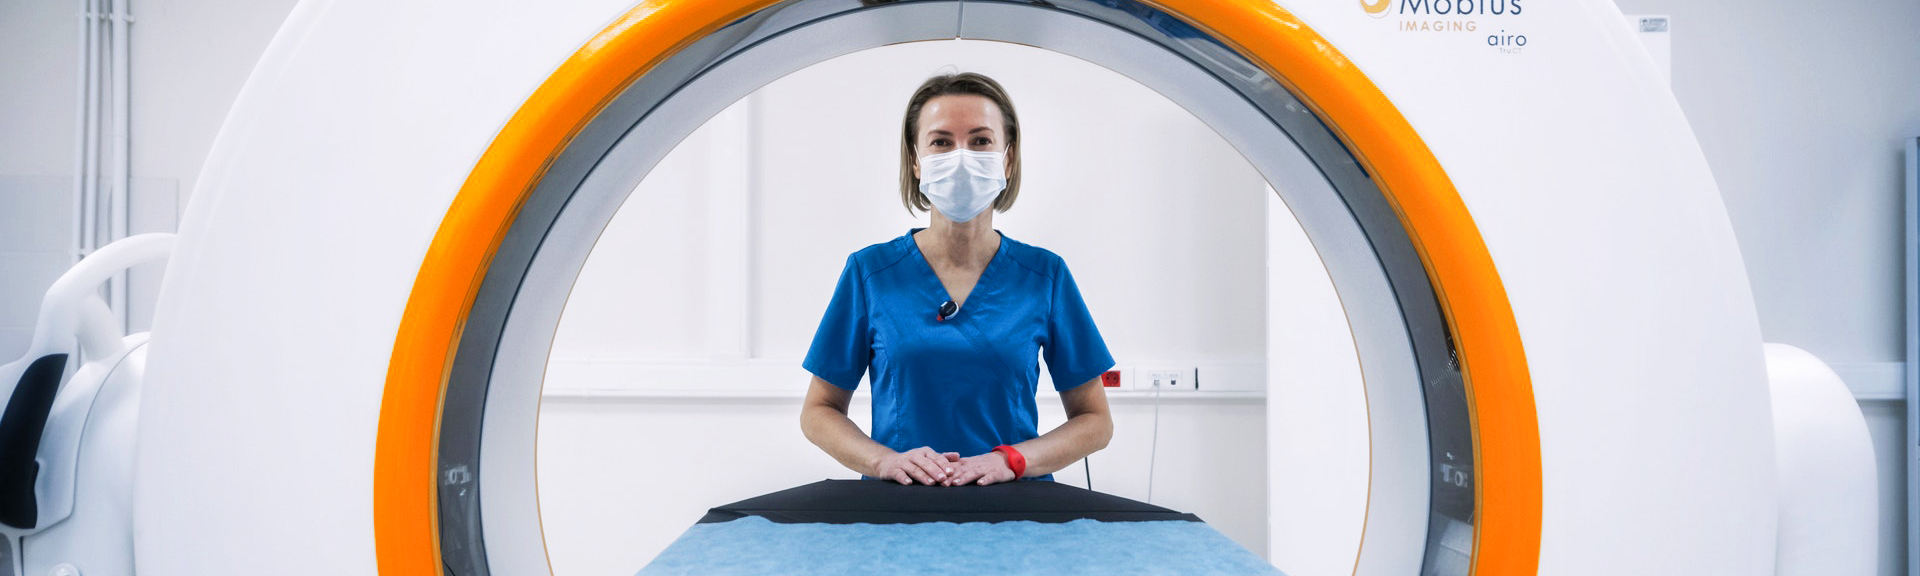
{"x": 1110, "y": 379}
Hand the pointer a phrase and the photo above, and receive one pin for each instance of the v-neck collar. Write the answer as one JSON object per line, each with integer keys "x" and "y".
{"x": 939, "y": 288}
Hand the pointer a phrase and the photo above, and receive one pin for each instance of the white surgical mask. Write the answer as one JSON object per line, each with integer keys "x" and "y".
{"x": 963, "y": 183}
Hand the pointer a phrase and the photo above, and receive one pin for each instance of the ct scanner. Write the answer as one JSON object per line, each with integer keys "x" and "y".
{"x": 1562, "y": 362}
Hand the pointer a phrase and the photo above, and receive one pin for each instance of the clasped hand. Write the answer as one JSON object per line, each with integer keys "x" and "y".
{"x": 925, "y": 466}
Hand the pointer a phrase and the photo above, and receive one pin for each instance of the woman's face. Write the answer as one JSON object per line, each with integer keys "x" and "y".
{"x": 954, "y": 121}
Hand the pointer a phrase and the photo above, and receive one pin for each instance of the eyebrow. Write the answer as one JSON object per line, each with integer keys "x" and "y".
{"x": 973, "y": 131}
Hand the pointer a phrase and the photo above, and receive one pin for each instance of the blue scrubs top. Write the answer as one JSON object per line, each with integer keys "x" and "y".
{"x": 966, "y": 384}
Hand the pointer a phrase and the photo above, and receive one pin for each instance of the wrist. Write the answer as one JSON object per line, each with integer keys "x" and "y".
{"x": 1015, "y": 461}
{"x": 876, "y": 460}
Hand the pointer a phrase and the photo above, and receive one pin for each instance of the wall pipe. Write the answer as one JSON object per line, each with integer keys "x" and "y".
{"x": 122, "y": 197}
{"x": 89, "y": 176}
{"x": 82, "y": 86}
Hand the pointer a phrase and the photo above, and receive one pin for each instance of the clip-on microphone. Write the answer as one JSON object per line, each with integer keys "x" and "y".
{"x": 947, "y": 310}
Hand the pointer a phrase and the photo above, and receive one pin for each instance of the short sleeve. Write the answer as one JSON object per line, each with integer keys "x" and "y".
{"x": 1075, "y": 352}
{"x": 843, "y": 346}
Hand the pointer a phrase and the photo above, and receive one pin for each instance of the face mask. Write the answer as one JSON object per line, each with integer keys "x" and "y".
{"x": 963, "y": 183}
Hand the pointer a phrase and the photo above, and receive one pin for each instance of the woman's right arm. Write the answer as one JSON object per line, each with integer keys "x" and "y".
{"x": 823, "y": 419}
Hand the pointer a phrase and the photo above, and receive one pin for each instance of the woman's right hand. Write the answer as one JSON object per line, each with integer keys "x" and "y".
{"x": 921, "y": 465}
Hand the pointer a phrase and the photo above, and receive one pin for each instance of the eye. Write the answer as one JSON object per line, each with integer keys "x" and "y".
{"x": 940, "y": 143}
{"x": 982, "y": 141}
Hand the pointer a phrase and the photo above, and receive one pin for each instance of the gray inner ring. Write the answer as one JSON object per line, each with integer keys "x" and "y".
{"x": 490, "y": 407}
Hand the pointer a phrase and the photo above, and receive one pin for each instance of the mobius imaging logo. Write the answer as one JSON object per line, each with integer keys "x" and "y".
{"x": 1493, "y": 23}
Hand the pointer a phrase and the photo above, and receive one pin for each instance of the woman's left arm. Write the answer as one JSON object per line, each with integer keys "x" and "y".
{"x": 1088, "y": 428}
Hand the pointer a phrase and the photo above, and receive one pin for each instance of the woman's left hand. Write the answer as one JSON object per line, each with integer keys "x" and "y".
{"x": 989, "y": 468}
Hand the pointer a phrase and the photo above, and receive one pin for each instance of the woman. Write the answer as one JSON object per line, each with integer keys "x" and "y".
{"x": 950, "y": 318}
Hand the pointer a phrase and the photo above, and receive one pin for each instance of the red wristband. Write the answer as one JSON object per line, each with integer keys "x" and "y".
{"x": 1015, "y": 460}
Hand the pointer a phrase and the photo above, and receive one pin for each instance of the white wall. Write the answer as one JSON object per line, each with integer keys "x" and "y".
{"x": 189, "y": 60}
{"x": 1802, "y": 110}
{"x": 38, "y": 51}
{"x": 1162, "y": 223}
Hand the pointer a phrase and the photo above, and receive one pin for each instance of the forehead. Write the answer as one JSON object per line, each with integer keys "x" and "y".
{"x": 959, "y": 113}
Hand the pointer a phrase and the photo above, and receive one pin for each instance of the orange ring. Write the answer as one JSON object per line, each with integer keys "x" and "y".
{"x": 1499, "y": 390}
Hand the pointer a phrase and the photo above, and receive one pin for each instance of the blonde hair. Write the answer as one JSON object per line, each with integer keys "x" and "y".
{"x": 947, "y": 85}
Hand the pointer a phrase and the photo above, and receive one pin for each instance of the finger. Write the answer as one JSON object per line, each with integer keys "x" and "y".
{"x": 974, "y": 471}
{"x": 923, "y": 469}
{"x": 933, "y": 470}
{"x": 952, "y": 456}
{"x": 964, "y": 475}
{"x": 919, "y": 475}
{"x": 939, "y": 463}
{"x": 901, "y": 477}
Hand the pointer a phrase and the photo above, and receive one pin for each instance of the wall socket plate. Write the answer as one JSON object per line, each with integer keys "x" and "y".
{"x": 1168, "y": 379}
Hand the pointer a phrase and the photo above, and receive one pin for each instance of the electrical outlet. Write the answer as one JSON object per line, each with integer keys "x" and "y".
{"x": 1169, "y": 379}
